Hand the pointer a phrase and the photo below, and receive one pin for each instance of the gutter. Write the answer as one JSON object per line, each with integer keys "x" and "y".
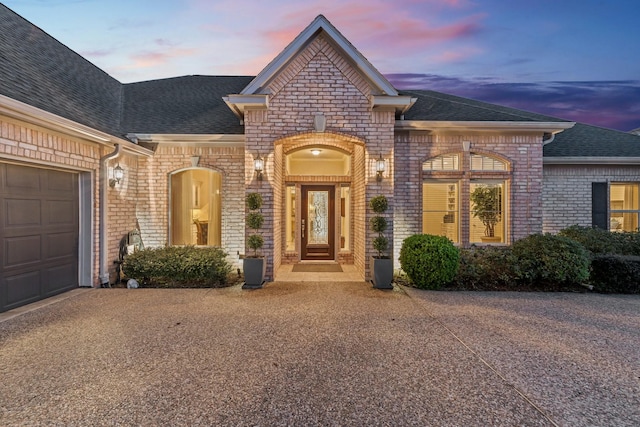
{"x": 103, "y": 272}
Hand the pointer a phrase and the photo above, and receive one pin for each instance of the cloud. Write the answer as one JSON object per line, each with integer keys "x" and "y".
{"x": 612, "y": 104}
{"x": 97, "y": 53}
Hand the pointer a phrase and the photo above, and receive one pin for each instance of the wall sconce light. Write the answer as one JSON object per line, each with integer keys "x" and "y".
{"x": 118, "y": 174}
{"x": 381, "y": 165}
{"x": 258, "y": 166}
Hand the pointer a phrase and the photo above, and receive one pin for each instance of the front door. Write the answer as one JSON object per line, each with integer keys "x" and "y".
{"x": 318, "y": 222}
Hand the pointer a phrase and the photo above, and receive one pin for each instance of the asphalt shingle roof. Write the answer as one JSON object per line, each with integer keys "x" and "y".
{"x": 431, "y": 105}
{"x": 40, "y": 71}
{"x": 182, "y": 105}
{"x": 591, "y": 141}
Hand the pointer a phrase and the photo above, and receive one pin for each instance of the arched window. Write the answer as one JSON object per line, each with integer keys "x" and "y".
{"x": 196, "y": 208}
{"x": 480, "y": 162}
{"x": 449, "y": 162}
{"x": 484, "y": 180}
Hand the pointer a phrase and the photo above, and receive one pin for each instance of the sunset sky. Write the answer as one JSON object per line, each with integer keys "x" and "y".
{"x": 574, "y": 59}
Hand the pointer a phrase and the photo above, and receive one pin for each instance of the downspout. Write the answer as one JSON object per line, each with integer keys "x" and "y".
{"x": 103, "y": 273}
{"x": 549, "y": 139}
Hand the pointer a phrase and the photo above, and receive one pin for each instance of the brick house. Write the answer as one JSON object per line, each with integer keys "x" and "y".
{"x": 317, "y": 133}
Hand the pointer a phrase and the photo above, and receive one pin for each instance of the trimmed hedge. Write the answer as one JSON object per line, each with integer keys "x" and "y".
{"x": 178, "y": 266}
{"x": 489, "y": 268}
{"x": 616, "y": 274}
{"x": 599, "y": 241}
{"x": 548, "y": 258}
{"x": 429, "y": 261}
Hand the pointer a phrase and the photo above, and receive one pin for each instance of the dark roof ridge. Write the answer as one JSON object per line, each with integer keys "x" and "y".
{"x": 515, "y": 112}
{"x": 44, "y": 33}
{"x": 163, "y": 79}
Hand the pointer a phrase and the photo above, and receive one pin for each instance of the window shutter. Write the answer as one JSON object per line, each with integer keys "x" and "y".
{"x": 599, "y": 203}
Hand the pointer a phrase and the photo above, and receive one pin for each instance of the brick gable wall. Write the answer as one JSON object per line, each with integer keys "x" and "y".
{"x": 318, "y": 81}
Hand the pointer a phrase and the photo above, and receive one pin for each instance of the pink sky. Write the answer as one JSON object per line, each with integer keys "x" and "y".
{"x": 476, "y": 44}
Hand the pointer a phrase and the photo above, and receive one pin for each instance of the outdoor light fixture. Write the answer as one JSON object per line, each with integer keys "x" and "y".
{"x": 118, "y": 174}
{"x": 258, "y": 165}
{"x": 380, "y": 167}
{"x": 316, "y": 152}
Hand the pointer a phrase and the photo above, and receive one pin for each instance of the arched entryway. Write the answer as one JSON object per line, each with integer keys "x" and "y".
{"x": 322, "y": 193}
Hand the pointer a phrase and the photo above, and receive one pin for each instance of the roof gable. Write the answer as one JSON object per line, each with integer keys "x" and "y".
{"x": 333, "y": 36}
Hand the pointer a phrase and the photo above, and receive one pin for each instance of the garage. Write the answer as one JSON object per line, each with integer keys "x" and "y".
{"x": 38, "y": 233}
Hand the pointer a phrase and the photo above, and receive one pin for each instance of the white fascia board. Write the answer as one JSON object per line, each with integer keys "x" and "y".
{"x": 400, "y": 103}
{"x": 221, "y": 140}
{"x": 320, "y": 23}
{"x": 578, "y": 160}
{"x": 239, "y": 103}
{"x": 36, "y": 116}
{"x": 483, "y": 126}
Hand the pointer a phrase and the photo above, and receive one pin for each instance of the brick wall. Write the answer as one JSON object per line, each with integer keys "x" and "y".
{"x": 152, "y": 207}
{"x": 319, "y": 81}
{"x": 523, "y": 152}
{"x": 567, "y": 192}
{"x": 37, "y": 146}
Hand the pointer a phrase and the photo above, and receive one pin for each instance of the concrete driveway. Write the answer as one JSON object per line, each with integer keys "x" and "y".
{"x": 322, "y": 354}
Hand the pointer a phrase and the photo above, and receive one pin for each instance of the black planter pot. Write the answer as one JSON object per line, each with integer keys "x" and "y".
{"x": 381, "y": 272}
{"x": 254, "y": 271}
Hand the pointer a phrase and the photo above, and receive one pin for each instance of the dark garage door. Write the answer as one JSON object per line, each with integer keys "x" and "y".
{"x": 38, "y": 234}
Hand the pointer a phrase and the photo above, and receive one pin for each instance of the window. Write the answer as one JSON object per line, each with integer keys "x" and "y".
{"x": 290, "y": 215}
{"x": 440, "y": 209}
{"x": 487, "y": 211}
{"x": 623, "y": 207}
{"x": 486, "y": 163}
{"x": 196, "y": 208}
{"x": 442, "y": 163}
{"x": 460, "y": 202}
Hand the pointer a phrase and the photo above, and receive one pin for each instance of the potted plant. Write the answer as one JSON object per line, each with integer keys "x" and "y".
{"x": 254, "y": 266}
{"x": 487, "y": 206}
{"x": 381, "y": 266}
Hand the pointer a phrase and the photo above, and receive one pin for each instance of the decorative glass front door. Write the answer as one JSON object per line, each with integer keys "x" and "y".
{"x": 318, "y": 222}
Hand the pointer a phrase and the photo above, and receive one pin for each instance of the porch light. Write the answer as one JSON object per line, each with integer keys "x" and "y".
{"x": 381, "y": 165}
{"x": 258, "y": 166}
{"x": 118, "y": 175}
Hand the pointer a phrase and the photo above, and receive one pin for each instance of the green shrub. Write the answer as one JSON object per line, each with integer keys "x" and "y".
{"x": 616, "y": 274}
{"x": 599, "y": 241}
{"x": 551, "y": 259}
{"x": 429, "y": 261}
{"x": 254, "y": 201}
{"x": 379, "y": 204}
{"x": 487, "y": 268}
{"x": 178, "y": 266}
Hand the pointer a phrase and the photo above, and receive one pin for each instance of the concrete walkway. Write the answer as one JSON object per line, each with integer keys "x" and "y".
{"x": 322, "y": 354}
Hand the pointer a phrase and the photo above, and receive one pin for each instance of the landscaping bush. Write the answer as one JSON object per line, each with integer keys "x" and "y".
{"x": 487, "y": 268}
{"x": 599, "y": 241}
{"x": 429, "y": 261}
{"x": 545, "y": 259}
{"x": 178, "y": 266}
{"x": 616, "y": 274}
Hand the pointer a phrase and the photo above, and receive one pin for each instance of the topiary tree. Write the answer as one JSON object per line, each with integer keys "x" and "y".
{"x": 429, "y": 261}
{"x": 255, "y": 219}
{"x": 379, "y": 205}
